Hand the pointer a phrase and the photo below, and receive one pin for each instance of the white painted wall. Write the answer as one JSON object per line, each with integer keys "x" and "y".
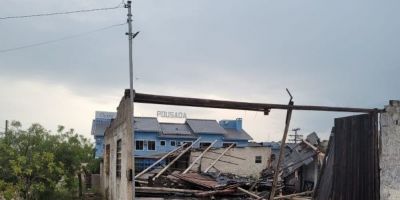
{"x": 390, "y": 152}
{"x": 246, "y": 167}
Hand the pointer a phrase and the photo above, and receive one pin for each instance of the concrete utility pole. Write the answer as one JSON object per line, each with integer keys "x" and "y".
{"x": 131, "y": 137}
{"x": 6, "y": 128}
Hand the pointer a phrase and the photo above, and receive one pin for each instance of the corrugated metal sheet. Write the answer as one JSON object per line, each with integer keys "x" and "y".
{"x": 147, "y": 124}
{"x": 175, "y": 129}
{"x": 313, "y": 138}
{"x": 300, "y": 155}
{"x": 233, "y": 134}
{"x": 205, "y": 126}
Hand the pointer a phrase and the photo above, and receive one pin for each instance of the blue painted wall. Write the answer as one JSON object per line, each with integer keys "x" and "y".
{"x": 99, "y": 142}
{"x": 169, "y": 142}
{"x": 239, "y": 143}
{"x": 146, "y": 136}
{"x": 210, "y": 138}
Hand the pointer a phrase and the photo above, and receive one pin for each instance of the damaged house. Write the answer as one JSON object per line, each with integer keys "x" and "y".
{"x": 154, "y": 138}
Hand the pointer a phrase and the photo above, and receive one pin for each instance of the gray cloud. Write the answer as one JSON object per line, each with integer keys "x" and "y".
{"x": 328, "y": 53}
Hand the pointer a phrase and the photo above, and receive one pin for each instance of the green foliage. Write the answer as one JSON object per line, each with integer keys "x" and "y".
{"x": 36, "y": 164}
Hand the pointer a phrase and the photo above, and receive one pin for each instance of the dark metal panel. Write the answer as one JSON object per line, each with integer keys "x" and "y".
{"x": 351, "y": 169}
{"x": 323, "y": 190}
{"x": 356, "y": 159}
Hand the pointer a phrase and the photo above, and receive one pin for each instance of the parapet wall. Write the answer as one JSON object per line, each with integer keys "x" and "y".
{"x": 118, "y": 186}
{"x": 390, "y": 152}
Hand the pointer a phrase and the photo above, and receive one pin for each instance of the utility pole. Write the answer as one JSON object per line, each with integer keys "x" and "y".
{"x": 131, "y": 136}
{"x": 296, "y": 137}
{"x": 6, "y": 128}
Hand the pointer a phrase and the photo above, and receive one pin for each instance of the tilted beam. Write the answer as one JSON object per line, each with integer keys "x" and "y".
{"x": 219, "y": 157}
{"x": 262, "y": 107}
{"x": 200, "y": 156}
{"x": 174, "y": 160}
{"x": 158, "y": 161}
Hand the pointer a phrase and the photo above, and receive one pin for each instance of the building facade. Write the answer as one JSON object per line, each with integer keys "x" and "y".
{"x": 154, "y": 138}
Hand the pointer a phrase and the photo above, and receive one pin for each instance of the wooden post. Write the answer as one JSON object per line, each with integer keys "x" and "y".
{"x": 158, "y": 161}
{"x": 173, "y": 161}
{"x": 219, "y": 157}
{"x": 200, "y": 156}
{"x": 281, "y": 151}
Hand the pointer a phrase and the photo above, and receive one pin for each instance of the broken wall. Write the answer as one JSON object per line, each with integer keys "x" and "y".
{"x": 240, "y": 161}
{"x": 390, "y": 152}
{"x": 117, "y": 184}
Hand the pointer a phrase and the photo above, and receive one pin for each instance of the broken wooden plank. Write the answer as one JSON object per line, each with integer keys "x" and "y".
{"x": 310, "y": 145}
{"x": 294, "y": 195}
{"x": 249, "y": 193}
{"x": 220, "y": 160}
{"x": 177, "y": 157}
{"x": 219, "y": 157}
{"x": 215, "y": 192}
{"x": 164, "y": 189}
{"x": 199, "y": 157}
{"x": 158, "y": 161}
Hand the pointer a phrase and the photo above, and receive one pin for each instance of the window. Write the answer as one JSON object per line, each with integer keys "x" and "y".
{"x": 227, "y": 144}
{"x": 204, "y": 144}
{"x": 258, "y": 159}
{"x": 139, "y": 145}
{"x": 162, "y": 143}
{"x": 173, "y": 143}
{"x": 188, "y": 143}
{"x": 118, "y": 163}
{"x": 107, "y": 158}
{"x": 151, "y": 145}
{"x": 178, "y": 143}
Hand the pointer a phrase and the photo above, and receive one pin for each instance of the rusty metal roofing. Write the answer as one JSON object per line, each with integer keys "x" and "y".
{"x": 198, "y": 179}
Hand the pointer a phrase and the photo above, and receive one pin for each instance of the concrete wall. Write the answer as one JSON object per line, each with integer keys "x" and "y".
{"x": 118, "y": 188}
{"x": 390, "y": 152}
{"x": 246, "y": 166}
{"x": 95, "y": 182}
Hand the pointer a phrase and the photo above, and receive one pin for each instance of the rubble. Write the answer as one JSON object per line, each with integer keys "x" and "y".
{"x": 160, "y": 181}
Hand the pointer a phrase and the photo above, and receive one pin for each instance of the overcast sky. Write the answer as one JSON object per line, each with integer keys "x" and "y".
{"x": 336, "y": 53}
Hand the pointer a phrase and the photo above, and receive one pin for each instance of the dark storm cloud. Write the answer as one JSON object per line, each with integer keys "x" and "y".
{"x": 329, "y": 53}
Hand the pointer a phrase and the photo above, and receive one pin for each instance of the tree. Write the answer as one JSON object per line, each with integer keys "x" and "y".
{"x": 36, "y": 164}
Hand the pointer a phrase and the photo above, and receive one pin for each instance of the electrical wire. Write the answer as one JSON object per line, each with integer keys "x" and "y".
{"x": 120, "y": 5}
{"x": 59, "y": 39}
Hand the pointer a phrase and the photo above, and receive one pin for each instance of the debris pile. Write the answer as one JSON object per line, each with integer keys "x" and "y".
{"x": 297, "y": 176}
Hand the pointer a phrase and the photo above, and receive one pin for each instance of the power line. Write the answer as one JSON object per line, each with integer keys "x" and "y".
{"x": 63, "y": 13}
{"x": 59, "y": 39}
